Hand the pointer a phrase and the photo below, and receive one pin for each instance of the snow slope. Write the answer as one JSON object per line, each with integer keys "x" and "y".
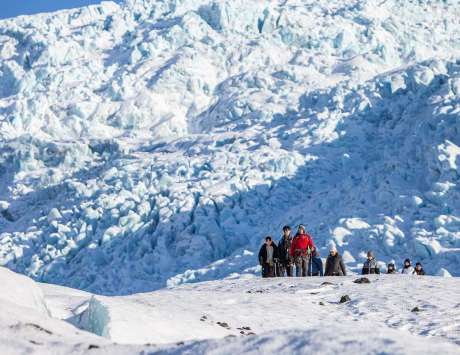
{"x": 154, "y": 143}
{"x": 252, "y": 315}
{"x": 194, "y": 311}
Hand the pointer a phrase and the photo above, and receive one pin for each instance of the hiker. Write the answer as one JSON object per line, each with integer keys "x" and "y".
{"x": 284, "y": 257}
{"x": 370, "y": 265}
{"x": 407, "y": 268}
{"x": 315, "y": 266}
{"x": 334, "y": 264}
{"x": 301, "y": 248}
{"x": 391, "y": 268}
{"x": 267, "y": 255}
{"x": 419, "y": 269}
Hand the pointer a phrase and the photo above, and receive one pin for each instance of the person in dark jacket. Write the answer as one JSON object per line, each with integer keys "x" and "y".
{"x": 285, "y": 263}
{"x": 267, "y": 255}
{"x": 334, "y": 264}
{"x": 391, "y": 269}
{"x": 419, "y": 269}
{"x": 315, "y": 268}
{"x": 370, "y": 265}
{"x": 301, "y": 248}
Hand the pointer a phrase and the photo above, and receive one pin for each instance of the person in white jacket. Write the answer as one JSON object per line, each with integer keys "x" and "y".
{"x": 408, "y": 269}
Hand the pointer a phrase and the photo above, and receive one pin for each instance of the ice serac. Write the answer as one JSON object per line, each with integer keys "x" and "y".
{"x": 149, "y": 143}
{"x": 96, "y": 318}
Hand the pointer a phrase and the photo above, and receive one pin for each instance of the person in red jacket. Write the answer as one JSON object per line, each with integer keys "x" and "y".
{"x": 301, "y": 249}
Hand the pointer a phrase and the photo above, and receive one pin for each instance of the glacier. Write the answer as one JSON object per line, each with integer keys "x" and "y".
{"x": 147, "y": 144}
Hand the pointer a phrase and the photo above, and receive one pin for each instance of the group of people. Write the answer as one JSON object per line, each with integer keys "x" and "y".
{"x": 300, "y": 252}
{"x": 371, "y": 267}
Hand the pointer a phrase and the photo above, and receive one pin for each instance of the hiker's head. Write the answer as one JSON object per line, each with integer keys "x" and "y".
{"x": 333, "y": 250}
{"x": 286, "y": 231}
{"x": 301, "y": 229}
{"x": 268, "y": 240}
{"x": 391, "y": 267}
{"x": 407, "y": 262}
{"x": 370, "y": 255}
{"x": 418, "y": 266}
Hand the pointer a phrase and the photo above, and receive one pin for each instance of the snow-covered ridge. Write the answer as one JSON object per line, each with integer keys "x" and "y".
{"x": 21, "y": 291}
{"x": 161, "y": 140}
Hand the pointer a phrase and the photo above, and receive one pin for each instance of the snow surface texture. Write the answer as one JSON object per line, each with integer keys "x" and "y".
{"x": 252, "y": 315}
{"x": 154, "y": 143}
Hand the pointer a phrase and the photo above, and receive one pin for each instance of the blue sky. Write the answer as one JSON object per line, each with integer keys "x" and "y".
{"x": 12, "y": 8}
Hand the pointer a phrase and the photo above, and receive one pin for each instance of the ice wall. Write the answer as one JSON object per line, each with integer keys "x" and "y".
{"x": 162, "y": 140}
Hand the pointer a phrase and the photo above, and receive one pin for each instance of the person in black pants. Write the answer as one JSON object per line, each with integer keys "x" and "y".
{"x": 268, "y": 254}
{"x": 285, "y": 261}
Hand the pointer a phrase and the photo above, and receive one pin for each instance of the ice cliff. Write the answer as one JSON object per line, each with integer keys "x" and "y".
{"x": 150, "y": 141}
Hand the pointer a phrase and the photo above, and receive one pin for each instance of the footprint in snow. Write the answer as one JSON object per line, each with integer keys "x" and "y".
{"x": 327, "y": 283}
{"x": 33, "y": 325}
{"x": 35, "y": 342}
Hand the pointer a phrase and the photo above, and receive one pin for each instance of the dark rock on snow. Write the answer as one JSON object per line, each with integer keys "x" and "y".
{"x": 362, "y": 280}
{"x": 345, "y": 298}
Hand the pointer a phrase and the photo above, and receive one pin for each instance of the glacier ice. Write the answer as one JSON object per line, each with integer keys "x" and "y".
{"x": 141, "y": 142}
